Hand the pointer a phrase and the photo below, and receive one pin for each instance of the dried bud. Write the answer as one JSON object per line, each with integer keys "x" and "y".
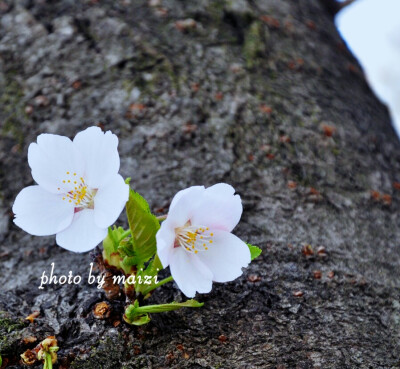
{"x": 49, "y": 342}
{"x": 307, "y": 250}
{"x": 317, "y": 274}
{"x": 29, "y": 357}
{"x": 328, "y": 130}
{"x": 102, "y": 310}
{"x": 375, "y": 195}
{"x": 77, "y": 85}
{"x": 222, "y": 338}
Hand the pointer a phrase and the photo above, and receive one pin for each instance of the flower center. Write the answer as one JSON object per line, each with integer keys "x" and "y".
{"x": 193, "y": 239}
{"x": 78, "y": 192}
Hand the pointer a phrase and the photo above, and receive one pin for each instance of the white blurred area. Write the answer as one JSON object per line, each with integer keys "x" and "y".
{"x": 371, "y": 29}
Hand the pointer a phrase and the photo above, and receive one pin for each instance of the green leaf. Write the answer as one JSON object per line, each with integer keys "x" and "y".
{"x": 133, "y": 312}
{"x": 144, "y": 226}
{"x": 129, "y": 261}
{"x": 154, "y": 266}
{"x": 111, "y": 242}
{"x": 125, "y": 250}
{"x": 1, "y": 361}
{"x": 255, "y": 251}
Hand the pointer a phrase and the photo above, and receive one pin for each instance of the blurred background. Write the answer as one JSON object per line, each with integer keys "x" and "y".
{"x": 263, "y": 95}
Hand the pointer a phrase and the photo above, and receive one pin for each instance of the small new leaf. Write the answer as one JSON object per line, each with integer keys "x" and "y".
{"x": 144, "y": 226}
{"x": 255, "y": 251}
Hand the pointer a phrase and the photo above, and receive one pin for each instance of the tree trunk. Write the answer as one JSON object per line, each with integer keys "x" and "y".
{"x": 261, "y": 94}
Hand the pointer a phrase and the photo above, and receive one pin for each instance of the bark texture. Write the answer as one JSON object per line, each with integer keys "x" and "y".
{"x": 261, "y": 94}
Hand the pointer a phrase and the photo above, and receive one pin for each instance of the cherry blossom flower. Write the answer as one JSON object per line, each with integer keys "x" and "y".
{"x": 79, "y": 192}
{"x": 371, "y": 29}
{"x": 196, "y": 240}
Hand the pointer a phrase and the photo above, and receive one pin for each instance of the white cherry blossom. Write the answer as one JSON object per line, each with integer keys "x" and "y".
{"x": 371, "y": 29}
{"x": 196, "y": 240}
{"x": 79, "y": 192}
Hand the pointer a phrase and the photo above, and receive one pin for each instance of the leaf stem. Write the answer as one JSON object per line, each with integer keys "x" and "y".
{"x": 160, "y": 283}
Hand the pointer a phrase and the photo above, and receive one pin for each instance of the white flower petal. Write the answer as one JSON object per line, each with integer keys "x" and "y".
{"x": 371, "y": 30}
{"x": 219, "y": 208}
{"x": 109, "y": 201}
{"x": 41, "y": 213}
{"x": 226, "y": 256}
{"x": 54, "y": 159}
{"x": 83, "y": 234}
{"x": 184, "y": 204}
{"x": 221, "y": 189}
{"x": 100, "y": 153}
{"x": 190, "y": 191}
{"x": 395, "y": 113}
{"x": 189, "y": 273}
{"x": 165, "y": 242}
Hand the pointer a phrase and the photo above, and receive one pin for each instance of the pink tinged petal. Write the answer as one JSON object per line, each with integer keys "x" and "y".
{"x": 183, "y": 205}
{"x": 54, "y": 160}
{"x": 41, "y": 213}
{"x": 219, "y": 208}
{"x": 100, "y": 153}
{"x": 83, "y": 234}
{"x": 109, "y": 201}
{"x": 226, "y": 256}
{"x": 165, "y": 238}
{"x": 189, "y": 273}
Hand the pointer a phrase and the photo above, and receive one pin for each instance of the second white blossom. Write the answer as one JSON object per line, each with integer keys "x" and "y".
{"x": 196, "y": 240}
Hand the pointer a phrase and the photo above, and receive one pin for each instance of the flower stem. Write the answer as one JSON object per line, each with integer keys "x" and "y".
{"x": 47, "y": 361}
{"x": 162, "y": 217}
{"x": 160, "y": 283}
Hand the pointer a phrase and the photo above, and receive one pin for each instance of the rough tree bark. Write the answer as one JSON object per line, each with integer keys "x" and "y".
{"x": 261, "y": 94}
